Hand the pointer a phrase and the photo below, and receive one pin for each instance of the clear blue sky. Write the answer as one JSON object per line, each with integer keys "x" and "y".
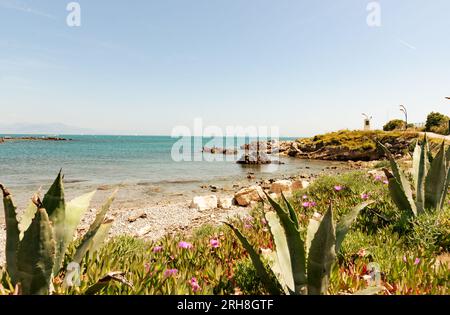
{"x": 147, "y": 66}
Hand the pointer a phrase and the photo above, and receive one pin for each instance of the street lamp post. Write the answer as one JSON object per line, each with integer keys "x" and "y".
{"x": 449, "y": 120}
{"x": 405, "y": 112}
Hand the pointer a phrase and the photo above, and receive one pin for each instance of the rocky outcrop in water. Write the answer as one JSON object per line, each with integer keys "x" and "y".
{"x": 32, "y": 138}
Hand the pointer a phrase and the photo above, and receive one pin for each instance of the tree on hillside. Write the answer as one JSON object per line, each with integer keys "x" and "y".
{"x": 437, "y": 122}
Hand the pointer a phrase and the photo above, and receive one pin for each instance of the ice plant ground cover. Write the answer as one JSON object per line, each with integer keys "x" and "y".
{"x": 410, "y": 256}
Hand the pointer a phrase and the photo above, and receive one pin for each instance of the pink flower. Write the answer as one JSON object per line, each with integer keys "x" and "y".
{"x": 417, "y": 261}
{"x": 194, "y": 285}
{"x": 338, "y": 187}
{"x": 378, "y": 178}
{"x": 185, "y": 245}
{"x": 309, "y": 204}
{"x": 248, "y": 225}
{"x": 157, "y": 249}
{"x": 364, "y": 196}
{"x": 404, "y": 258}
{"x": 305, "y": 197}
{"x": 170, "y": 272}
{"x": 214, "y": 243}
{"x": 263, "y": 221}
{"x": 385, "y": 182}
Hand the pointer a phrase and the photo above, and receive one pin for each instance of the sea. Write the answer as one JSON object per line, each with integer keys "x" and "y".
{"x": 144, "y": 166}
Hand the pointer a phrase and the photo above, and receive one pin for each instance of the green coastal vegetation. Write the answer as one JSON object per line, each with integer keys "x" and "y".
{"x": 378, "y": 231}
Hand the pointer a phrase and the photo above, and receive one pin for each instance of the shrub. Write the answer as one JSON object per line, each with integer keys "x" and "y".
{"x": 437, "y": 122}
{"x": 396, "y": 124}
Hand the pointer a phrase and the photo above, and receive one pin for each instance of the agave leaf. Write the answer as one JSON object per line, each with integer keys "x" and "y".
{"x": 86, "y": 242}
{"x": 12, "y": 234}
{"x": 54, "y": 204}
{"x": 435, "y": 181}
{"x": 421, "y": 165}
{"x": 265, "y": 276}
{"x": 27, "y": 218}
{"x": 403, "y": 183}
{"x": 399, "y": 196}
{"x": 322, "y": 255}
{"x": 283, "y": 262}
{"x": 115, "y": 276}
{"x": 372, "y": 290}
{"x": 75, "y": 209}
{"x": 36, "y": 256}
{"x": 101, "y": 215}
{"x": 291, "y": 210}
{"x": 99, "y": 237}
{"x": 295, "y": 244}
{"x": 347, "y": 220}
{"x": 313, "y": 226}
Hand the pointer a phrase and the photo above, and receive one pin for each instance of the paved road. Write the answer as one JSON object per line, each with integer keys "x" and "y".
{"x": 435, "y": 136}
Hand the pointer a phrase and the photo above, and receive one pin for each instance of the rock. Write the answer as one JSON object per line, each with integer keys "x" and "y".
{"x": 246, "y": 195}
{"x": 299, "y": 185}
{"x": 280, "y": 186}
{"x": 225, "y": 203}
{"x": 202, "y": 203}
{"x": 139, "y": 215}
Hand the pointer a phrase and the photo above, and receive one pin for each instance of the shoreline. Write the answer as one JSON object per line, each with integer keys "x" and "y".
{"x": 153, "y": 217}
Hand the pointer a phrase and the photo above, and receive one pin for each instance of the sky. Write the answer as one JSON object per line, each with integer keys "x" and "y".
{"x": 145, "y": 67}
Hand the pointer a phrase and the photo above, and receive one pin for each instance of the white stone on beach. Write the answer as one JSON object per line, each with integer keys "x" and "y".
{"x": 246, "y": 195}
{"x": 225, "y": 203}
{"x": 202, "y": 203}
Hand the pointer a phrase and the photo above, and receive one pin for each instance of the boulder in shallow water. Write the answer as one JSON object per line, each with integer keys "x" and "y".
{"x": 246, "y": 195}
{"x": 202, "y": 203}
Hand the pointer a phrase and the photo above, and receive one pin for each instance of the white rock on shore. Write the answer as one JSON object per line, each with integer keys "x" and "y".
{"x": 203, "y": 203}
{"x": 226, "y": 203}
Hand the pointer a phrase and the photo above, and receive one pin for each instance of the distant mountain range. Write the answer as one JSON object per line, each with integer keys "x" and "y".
{"x": 47, "y": 129}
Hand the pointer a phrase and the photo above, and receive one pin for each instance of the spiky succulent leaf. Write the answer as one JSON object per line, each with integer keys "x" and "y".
{"x": 75, "y": 209}
{"x": 27, "y": 218}
{"x": 346, "y": 221}
{"x": 421, "y": 165}
{"x": 322, "y": 255}
{"x": 400, "y": 189}
{"x": 436, "y": 181}
{"x": 291, "y": 210}
{"x": 311, "y": 231}
{"x": 54, "y": 204}
{"x": 36, "y": 256}
{"x": 12, "y": 234}
{"x": 282, "y": 263}
{"x": 398, "y": 195}
{"x": 265, "y": 276}
{"x": 99, "y": 237}
{"x": 295, "y": 244}
{"x": 88, "y": 238}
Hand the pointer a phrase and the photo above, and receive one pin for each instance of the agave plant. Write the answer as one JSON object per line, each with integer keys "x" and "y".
{"x": 431, "y": 178}
{"x": 299, "y": 266}
{"x": 37, "y": 243}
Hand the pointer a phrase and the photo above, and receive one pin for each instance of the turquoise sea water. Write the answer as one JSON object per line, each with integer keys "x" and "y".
{"x": 132, "y": 160}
